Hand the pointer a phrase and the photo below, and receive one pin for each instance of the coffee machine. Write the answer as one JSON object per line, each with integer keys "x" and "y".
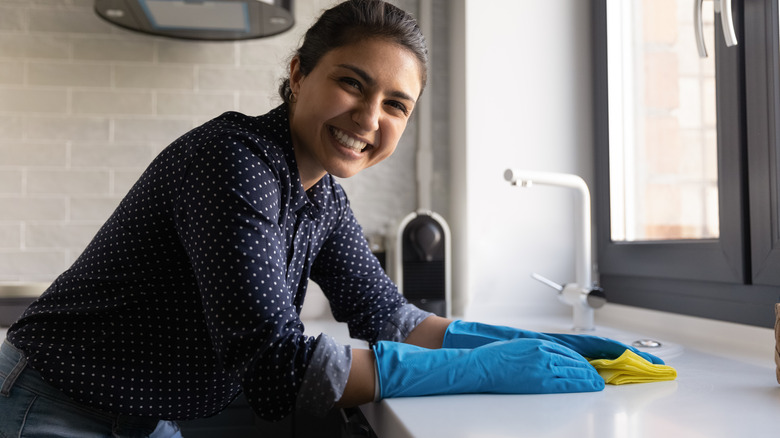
{"x": 418, "y": 260}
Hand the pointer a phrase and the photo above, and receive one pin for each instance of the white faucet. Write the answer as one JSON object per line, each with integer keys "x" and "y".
{"x": 582, "y": 295}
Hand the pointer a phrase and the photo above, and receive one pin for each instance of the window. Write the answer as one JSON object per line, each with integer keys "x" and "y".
{"x": 687, "y": 158}
{"x": 663, "y": 164}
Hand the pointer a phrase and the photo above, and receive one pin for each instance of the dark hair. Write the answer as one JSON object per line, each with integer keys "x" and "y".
{"x": 355, "y": 20}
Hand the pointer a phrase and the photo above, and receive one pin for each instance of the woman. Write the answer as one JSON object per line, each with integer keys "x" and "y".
{"x": 191, "y": 292}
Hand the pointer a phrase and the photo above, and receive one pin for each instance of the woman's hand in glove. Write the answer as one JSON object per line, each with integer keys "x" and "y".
{"x": 462, "y": 334}
{"x": 519, "y": 366}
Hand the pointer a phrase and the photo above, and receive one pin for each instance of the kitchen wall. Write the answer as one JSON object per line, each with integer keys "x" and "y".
{"x": 521, "y": 90}
{"x": 85, "y": 106}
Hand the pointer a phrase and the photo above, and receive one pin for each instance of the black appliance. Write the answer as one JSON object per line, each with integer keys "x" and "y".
{"x": 419, "y": 261}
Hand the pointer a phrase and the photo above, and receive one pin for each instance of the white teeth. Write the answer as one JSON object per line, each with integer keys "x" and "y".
{"x": 355, "y": 145}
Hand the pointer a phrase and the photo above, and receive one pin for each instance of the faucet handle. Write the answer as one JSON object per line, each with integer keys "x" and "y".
{"x": 572, "y": 293}
{"x": 548, "y": 282}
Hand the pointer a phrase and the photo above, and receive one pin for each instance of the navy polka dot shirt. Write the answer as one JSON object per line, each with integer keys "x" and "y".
{"x": 191, "y": 291}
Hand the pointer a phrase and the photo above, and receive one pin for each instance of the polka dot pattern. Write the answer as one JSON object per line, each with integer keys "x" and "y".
{"x": 191, "y": 291}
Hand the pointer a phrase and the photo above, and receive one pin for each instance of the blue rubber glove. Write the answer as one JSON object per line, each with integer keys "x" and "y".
{"x": 462, "y": 334}
{"x": 520, "y": 366}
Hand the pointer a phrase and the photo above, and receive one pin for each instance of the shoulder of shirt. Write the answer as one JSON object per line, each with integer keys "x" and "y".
{"x": 271, "y": 129}
{"x": 267, "y": 135}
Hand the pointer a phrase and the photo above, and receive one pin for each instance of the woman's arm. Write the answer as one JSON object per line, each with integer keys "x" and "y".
{"x": 429, "y": 333}
{"x": 361, "y": 383}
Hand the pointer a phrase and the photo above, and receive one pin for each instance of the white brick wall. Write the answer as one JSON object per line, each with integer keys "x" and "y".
{"x": 85, "y": 106}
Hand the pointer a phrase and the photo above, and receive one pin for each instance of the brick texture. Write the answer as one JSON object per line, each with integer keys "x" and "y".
{"x": 85, "y": 106}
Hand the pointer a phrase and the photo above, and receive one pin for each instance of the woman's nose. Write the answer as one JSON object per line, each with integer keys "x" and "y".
{"x": 366, "y": 116}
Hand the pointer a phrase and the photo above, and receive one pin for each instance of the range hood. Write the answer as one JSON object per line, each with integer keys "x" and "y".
{"x": 223, "y": 20}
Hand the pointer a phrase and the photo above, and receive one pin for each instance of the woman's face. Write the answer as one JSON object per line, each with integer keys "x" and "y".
{"x": 351, "y": 109}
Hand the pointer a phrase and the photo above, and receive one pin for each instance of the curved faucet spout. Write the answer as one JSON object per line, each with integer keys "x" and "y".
{"x": 577, "y": 294}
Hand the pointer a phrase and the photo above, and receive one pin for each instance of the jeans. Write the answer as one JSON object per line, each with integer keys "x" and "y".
{"x": 31, "y": 407}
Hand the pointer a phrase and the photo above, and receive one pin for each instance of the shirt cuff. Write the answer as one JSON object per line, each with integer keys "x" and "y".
{"x": 402, "y": 322}
{"x": 326, "y": 377}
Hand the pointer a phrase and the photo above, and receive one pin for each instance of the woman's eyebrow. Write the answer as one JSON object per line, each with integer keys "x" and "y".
{"x": 372, "y": 82}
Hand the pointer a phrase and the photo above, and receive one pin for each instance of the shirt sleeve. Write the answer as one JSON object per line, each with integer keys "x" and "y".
{"x": 358, "y": 289}
{"x": 326, "y": 377}
{"x": 328, "y": 371}
{"x": 226, "y": 216}
{"x": 402, "y": 322}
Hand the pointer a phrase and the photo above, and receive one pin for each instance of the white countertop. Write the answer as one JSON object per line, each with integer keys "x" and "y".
{"x": 717, "y": 394}
{"x": 712, "y": 397}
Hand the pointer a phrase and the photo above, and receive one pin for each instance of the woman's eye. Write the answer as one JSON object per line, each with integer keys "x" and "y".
{"x": 399, "y": 106}
{"x": 354, "y": 83}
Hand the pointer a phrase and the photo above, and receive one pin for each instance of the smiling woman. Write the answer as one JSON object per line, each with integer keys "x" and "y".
{"x": 211, "y": 251}
{"x": 350, "y": 111}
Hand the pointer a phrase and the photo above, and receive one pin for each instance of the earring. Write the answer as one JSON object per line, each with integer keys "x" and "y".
{"x": 293, "y": 99}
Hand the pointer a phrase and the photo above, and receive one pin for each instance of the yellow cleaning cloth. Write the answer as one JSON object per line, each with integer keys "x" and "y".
{"x": 632, "y": 368}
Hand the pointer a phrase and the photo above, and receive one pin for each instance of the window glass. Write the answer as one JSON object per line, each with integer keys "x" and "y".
{"x": 662, "y": 112}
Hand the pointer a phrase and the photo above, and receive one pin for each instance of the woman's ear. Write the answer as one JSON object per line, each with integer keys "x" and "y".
{"x": 296, "y": 76}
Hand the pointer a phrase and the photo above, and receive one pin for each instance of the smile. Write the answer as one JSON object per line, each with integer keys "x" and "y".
{"x": 347, "y": 141}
